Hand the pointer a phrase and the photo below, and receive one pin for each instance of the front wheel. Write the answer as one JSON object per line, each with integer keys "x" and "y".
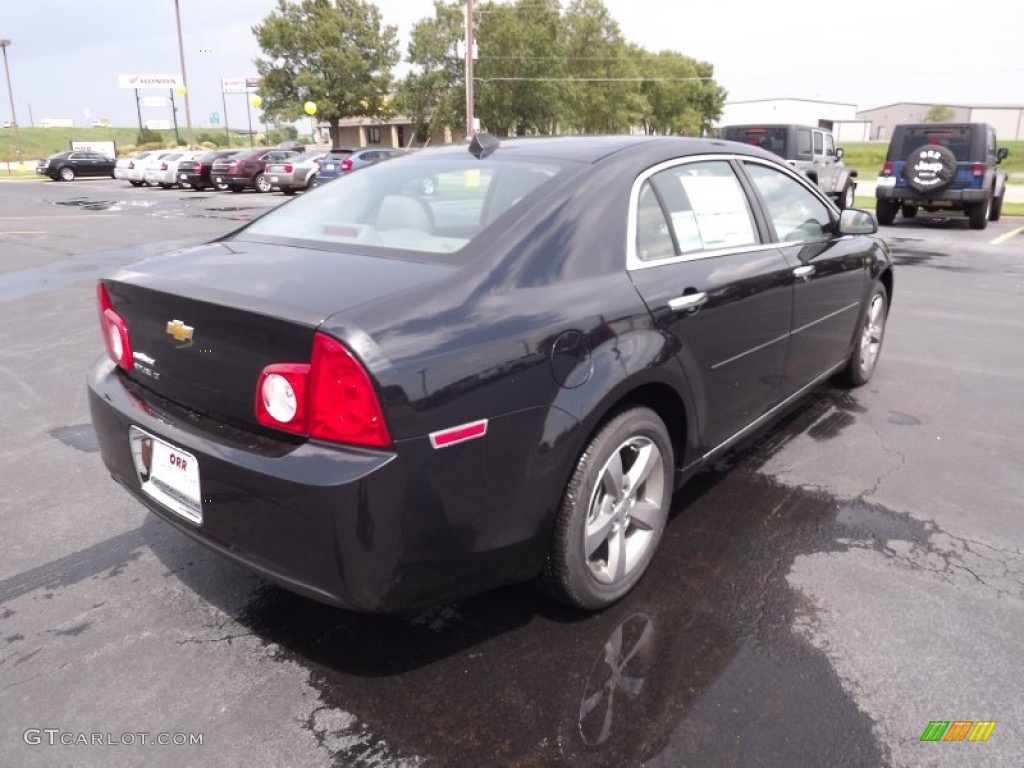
{"x": 287, "y": 190}
{"x": 613, "y": 512}
{"x": 135, "y": 183}
{"x": 885, "y": 210}
{"x": 221, "y": 187}
{"x": 67, "y": 174}
{"x": 865, "y": 354}
{"x": 263, "y": 184}
{"x": 846, "y": 196}
{"x": 235, "y": 188}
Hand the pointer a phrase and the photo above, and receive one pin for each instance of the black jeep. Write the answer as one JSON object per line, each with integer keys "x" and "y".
{"x": 942, "y": 166}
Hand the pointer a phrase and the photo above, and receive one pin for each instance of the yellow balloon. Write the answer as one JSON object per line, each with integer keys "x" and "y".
{"x": 180, "y": 90}
{"x": 256, "y": 101}
{"x": 310, "y": 108}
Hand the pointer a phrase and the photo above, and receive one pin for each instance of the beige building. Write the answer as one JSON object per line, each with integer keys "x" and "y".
{"x": 1007, "y": 120}
{"x": 373, "y": 132}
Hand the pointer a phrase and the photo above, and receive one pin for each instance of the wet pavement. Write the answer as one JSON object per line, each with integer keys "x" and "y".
{"x": 820, "y": 595}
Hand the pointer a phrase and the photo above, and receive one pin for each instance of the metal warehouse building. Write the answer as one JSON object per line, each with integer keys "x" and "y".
{"x": 1007, "y": 120}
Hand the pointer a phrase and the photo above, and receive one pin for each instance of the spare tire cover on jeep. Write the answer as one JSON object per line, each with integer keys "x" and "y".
{"x": 929, "y": 167}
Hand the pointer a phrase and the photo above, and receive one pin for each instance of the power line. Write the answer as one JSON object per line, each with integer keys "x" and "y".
{"x": 597, "y": 79}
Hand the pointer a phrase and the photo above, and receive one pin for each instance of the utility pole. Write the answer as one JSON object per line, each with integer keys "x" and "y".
{"x": 184, "y": 77}
{"x": 470, "y": 117}
{"x": 10, "y": 93}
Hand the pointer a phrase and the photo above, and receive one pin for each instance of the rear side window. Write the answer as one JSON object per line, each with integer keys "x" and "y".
{"x": 706, "y": 210}
{"x": 819, "y": 142}
{"x": 955, "y": 138}
{"x": 770, "y": 137}
{"x": 803, "y": 143}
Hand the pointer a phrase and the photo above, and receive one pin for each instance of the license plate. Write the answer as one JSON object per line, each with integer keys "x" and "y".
{"x": 886, "y": 181}
{"x": 329, "y": 166}
{"x": 182, "y": 176}
{"x": 167, "y": 474}
{"x": 273, "y": 179}
{"x": 220, "y": 180}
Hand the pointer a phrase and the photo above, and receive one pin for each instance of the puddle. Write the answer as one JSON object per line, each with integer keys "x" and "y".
{"x": 80, "y": 436}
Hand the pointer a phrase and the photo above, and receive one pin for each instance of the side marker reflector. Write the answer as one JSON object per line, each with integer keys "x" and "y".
{"x": 459, "y": 434}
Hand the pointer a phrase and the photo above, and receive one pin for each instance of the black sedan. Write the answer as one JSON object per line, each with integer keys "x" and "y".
{"x": 383, "y": 399}
{"x": 66, "y": 166}
{"x": 195, "y": 173}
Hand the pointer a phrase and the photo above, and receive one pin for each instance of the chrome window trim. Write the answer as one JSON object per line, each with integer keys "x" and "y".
{"x": 634, "y": 262}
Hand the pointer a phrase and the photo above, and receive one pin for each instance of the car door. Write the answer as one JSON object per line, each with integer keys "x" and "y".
{"x": 829, "y": 272}
{"x": 823, "y": 166}
{"x": 701, "y": 262}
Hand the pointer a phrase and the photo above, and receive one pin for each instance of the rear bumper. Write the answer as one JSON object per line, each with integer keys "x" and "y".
{"x": 233, "y": 181}
{"x": 909, "y": 194}
{"x": 370, "y": 530}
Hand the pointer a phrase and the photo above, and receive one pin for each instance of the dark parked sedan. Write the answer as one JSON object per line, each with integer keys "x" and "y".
{"x": 247, "y": 169}
{"x": 382, "y": 399}
{"x": 196, "y": 173}
{"x": 66, "y": 166}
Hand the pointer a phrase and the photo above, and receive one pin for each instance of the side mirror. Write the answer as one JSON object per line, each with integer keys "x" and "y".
{"x": 839, "y": 153}
{"x": 855, "y": 222}
{"x": 1001, "y": 154}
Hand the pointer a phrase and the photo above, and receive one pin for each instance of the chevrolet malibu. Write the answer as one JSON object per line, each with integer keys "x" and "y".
{"x": 383, "y": 400}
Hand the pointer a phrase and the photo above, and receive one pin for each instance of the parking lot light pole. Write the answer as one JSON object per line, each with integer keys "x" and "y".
{"x": 4, "y": 42}
{"x": 184, "y": 77}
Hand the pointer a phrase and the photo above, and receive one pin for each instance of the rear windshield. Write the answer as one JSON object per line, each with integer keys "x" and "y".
{"x": 772, "y": 138}
{"x": 955, "y": 138}
{"x": 425, "y": 203}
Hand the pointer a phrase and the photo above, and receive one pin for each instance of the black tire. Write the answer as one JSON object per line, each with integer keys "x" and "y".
{"x": 997, "y": 208}
{"x": 978, "y": 213}
{"x": 164, "y": 185}
{"x": 929, "y": 168}
{"x": 625, "y": 523}
{"x": 287, "y": 191}
{"x": 234, "y": 188}
{"x": 67, "y": 173}
{"x": 135, "y": 183}
{"x": 845, "y": 199}
{"x": 198, "y": 187}
{"x": 885, "y": 211}
{"x": 909, "y": 210}
{"x": 262, "y": 183}
{"x": 222, "y": 187}
{"x": 870, "y": 335}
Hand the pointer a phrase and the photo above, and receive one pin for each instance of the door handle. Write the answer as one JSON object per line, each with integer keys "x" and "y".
{"x": 688, "y": 302}
{"x": 804, "y": 272}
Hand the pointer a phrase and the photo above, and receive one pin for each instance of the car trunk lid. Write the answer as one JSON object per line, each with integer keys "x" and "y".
{"x": 204, "y": 322}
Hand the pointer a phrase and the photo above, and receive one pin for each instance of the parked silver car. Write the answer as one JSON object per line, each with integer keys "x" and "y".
{"x": 295, "y": 173}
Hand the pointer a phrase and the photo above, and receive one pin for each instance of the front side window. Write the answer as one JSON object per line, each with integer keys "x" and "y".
{"x": 803, "y": 143}
{"x": 819, "y": 142}
{"x": 795, "y": 211}
{"x": 830, "y": 145}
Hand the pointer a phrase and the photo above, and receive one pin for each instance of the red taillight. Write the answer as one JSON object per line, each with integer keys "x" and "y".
{"x": 199, "y": 168}
{"x": 163, "y": 166}
{"x": 131, "y": 165}
{"x": 978, "y": 170}
{"x": 115, "y": 331}
{"x": 887, "y": 169}
{"x": 288, "y": 169}
{"x": 330, "y": 398}
{"x": 346, "y": 165}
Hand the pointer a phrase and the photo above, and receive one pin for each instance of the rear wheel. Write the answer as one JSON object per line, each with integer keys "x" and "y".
{"x": 885, "y": 210}
{"x": 234, "y": 188}
{"x": 67, "y": 173}
{"x": 262, "y": 183}
{"x": 864, "y": 357}
{"x": 997, "y": 208}
{"x": 909, "y": 210}
{"x": 613, "y": 512}
{"x": 164, "y": 185}
{"x": 287, "y": 190}
{"x": 221, "y": 187}
{"x": 135, "y": 183}
{"x": 977, "y": 214}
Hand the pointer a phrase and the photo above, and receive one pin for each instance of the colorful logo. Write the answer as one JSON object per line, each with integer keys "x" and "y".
{"x": 958, "y": 730}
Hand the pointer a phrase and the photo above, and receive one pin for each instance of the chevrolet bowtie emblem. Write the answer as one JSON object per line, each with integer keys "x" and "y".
{"x": 180, "y": 332}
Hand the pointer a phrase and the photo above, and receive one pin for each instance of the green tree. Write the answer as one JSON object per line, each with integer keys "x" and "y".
{"x": 520, "y": 66}
{"x": 335, "y": 53}
{"x": 939, "y": 113}
{"x": 433, "y": 94}
{"x": 682, "y": 95}
{"x": 601, "y": 93}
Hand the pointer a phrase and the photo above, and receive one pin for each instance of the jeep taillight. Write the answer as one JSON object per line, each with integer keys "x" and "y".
{"x": 887, "y": 169}
{"x": 978, "y": 170}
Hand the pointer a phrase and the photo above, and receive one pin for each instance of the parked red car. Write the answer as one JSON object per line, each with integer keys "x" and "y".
{"x": 248, "y": 169}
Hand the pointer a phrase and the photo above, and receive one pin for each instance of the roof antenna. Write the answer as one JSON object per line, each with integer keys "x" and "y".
{"x": 482, "y": 145}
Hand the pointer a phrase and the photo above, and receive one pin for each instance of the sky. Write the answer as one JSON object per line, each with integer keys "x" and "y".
{"x": 65, "y": 55}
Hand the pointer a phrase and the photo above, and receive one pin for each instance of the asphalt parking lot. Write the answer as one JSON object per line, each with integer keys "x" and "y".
{"x": 821, "y": 594}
